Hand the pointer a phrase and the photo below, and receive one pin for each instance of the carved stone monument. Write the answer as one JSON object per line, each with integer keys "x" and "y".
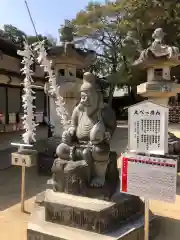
{"x": 83, "y": 199}
{"x": 158, "y": 60}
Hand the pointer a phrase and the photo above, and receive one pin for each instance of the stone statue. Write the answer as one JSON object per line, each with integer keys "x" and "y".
{"x": 158, "y": 49}
{"x": 88, "y": 138}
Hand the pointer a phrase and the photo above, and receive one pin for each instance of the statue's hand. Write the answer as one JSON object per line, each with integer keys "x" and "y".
{"x": 65, "y": 137}
{"x": 71, "y": 131}
{"x": 68, "y": 135}
{"x": 107, "y": 136}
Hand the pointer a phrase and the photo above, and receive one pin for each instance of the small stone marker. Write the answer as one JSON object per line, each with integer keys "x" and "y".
{"x": 24, "y": 158}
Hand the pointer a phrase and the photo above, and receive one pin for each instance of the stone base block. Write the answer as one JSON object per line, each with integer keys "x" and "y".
{"x": 39, "y": 229}
{"x": 90, "y": 214}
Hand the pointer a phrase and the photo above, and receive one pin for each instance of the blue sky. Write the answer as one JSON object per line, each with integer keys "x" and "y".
{"x": 47, "y": 14}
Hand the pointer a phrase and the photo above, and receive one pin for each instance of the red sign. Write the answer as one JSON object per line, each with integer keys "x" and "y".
{"x": 124, "y": 174}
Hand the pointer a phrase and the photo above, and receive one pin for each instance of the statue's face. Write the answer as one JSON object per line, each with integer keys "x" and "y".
{"x": 89, "y": 100}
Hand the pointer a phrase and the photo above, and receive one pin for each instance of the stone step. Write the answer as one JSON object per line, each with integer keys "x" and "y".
{"x": 88, "y": 213}
{"x": 39, "y": 229}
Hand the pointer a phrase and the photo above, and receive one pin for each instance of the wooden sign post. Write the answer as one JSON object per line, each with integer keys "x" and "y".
{"x": 146, "y": 220}
{"x": 24, "y": 158}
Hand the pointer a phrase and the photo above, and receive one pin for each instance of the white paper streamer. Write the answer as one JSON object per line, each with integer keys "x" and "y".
{"x": 54, "y": 89}
{"x": 28, "y": 119}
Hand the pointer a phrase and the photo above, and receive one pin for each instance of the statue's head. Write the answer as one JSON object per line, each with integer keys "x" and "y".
{"x": 91, "y": 97}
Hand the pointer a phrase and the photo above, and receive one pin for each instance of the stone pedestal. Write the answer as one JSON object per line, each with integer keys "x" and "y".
{"x": 70, "y": 214}
{"x": 66, "y": 216}
{"x": 71, "y": 209}
{"x": 38, "y": 228}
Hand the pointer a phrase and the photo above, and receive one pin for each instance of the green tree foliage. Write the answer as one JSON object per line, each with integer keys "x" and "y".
{"x": 99, "y": 28}
{"x": 143, "y": 16}
{"x": 118, "y": 30}
{"x": 66, "y": 32}
{"x": 14, "y": 34}
{"x": 17, "y": 36}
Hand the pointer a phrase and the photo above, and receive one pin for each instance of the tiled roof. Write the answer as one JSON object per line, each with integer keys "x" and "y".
{"x": 8, "y": 47}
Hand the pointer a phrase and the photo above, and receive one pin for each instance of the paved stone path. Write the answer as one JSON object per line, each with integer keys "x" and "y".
{"x": 13, "y": 223}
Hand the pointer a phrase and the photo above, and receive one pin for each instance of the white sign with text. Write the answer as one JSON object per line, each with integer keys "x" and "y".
{"x": 148, "y": 128}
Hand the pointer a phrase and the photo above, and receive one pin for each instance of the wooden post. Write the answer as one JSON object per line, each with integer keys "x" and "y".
{"x": 146, "y": 220}
{"x": 23, "y": 188}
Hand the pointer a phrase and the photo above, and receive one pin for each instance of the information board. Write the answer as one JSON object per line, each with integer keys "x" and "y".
{"x": 148, "y": 128}
{"x": 149, "y": 177}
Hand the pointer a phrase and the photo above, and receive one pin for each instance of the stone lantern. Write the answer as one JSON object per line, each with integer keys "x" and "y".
{"x": 69, "y": 63}
{"x": 157, "y": 60}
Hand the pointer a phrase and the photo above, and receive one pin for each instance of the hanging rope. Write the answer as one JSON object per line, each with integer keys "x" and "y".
{"x": 27, "y": 98}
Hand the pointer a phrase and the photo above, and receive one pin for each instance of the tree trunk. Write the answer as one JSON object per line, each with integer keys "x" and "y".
{"x": 112, "y": 86}
{"x": 134, "y": 93}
